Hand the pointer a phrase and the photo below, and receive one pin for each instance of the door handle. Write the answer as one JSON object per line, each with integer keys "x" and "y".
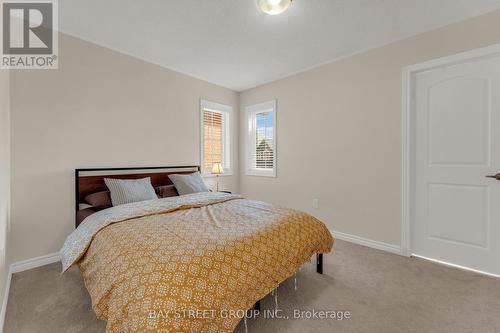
{"x": 497, "y": 176}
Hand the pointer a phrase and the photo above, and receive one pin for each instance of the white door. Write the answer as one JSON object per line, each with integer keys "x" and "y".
{"x": 456, "y": 110}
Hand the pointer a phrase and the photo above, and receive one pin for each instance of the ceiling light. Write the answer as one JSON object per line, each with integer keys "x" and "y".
{"x": 274, "y": 7}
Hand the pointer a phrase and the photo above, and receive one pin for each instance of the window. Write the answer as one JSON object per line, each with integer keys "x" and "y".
{"x": 215, "y": 136}
{"x": 261, "y": 139}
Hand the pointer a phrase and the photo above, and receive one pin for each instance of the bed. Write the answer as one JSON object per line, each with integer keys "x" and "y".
{"x": 188, "y": 263}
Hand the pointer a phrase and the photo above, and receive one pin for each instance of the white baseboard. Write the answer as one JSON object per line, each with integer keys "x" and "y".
{"x": 21, "y": 266}
{"x": 24, "y": 265}
{"x": 457, "y": 266}
{"x": 3, "y": 310}
{"x": 367, "y": 242}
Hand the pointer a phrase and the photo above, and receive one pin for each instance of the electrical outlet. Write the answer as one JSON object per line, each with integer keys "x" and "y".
{"x": 315, "y": 203}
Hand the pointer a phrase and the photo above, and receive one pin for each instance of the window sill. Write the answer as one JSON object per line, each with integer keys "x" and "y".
{"x": 258, "y": 173}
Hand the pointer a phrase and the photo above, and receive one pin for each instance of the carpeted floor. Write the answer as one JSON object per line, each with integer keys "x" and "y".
{"x": 383, "y": 293}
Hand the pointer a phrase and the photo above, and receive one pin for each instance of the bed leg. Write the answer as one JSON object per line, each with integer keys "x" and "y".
{"x": 319, "y": 263}
{"x": 257, "y": 306}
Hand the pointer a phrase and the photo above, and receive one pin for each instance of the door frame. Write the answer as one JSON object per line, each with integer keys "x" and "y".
{"x": 408, "y": 133}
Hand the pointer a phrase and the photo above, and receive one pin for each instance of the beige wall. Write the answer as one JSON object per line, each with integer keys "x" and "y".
{"x": 4, "y": 176}
{"x": 100, "y": 109}
{"x": 339, "y": 131}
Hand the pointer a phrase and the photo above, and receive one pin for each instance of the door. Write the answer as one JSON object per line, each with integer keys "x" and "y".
{"x": 456, "y": 114}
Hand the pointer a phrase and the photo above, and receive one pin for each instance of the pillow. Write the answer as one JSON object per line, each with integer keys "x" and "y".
{"x": 166, "y": 191}
{"x": 99, "y": 199}
{"x": 83, "y": 206}
{"x": 187, "y": 184}
{"x": 83, "y": 214}
{"x": 125, "y": 191}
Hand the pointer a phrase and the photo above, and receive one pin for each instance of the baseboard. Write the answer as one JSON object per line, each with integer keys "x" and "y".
{"x": 24, "y": 265}
{"x": 21, "y": 266}
{"x": 367, "y": 242}
{"x": 457, "y": 266}
{"x": 5, "y": 300}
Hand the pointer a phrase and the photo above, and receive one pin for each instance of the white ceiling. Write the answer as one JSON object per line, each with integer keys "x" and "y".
{"x": 233, "y": 44}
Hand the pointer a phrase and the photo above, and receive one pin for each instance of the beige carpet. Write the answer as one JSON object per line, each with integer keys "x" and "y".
{"x": 383, "y": 293}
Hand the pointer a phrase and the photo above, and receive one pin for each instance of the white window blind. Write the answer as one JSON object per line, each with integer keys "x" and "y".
{"x": 215, "y": 136}
{"x": 212, "y": 138}
{"x": 261, "y": 139}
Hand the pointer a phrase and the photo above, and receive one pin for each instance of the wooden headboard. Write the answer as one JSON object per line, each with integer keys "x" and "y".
{"x": 91, "y": 180}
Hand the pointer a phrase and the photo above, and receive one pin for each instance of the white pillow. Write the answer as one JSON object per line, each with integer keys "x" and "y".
{"x": 187, "y": 184}
{"x": 83, "y": 206}
{"x": 130, "y": 190}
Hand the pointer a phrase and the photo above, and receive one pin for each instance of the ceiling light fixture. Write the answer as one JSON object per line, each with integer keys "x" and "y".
{"x": 274, "y": 7}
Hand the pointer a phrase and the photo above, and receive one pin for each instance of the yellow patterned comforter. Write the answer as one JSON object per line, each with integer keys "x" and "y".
{"x": 190, "y": 263}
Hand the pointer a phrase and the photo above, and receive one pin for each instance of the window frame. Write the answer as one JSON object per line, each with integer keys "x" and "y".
{"x": 227, "y": 136}
{"x": 250, "y": 133}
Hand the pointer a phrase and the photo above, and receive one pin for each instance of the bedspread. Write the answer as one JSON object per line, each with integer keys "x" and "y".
{"x": 190, "y": 263}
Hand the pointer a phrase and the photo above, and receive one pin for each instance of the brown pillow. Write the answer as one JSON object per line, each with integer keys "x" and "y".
{"x": 83, "y": 214}
{"x": 166, "y": 191}
{"x": 99, "y": 199}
